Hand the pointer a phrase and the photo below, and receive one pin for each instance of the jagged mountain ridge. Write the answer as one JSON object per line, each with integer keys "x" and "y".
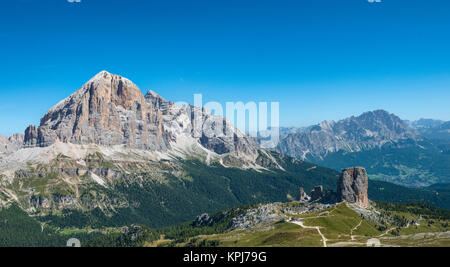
{"x": 111, "y": 110}
{"x": 370, "y": 130}
{"x": 406, "y": 153}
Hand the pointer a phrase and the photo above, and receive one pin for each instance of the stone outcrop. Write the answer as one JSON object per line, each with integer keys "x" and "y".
{"x": 303, "y": 197}
{"x": 330, "y": 197}
{"x": 352, "y": 186}
{"x": 317, "y": 193}
{"x": 39, "y": 136}
{"x": 262, "y": 215}
{"x": 203, "y": 220}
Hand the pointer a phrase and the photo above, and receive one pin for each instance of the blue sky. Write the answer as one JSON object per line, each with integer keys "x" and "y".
{"x": 321, "y": 59}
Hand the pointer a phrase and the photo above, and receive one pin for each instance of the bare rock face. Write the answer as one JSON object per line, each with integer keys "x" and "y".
{"x": 111, "y": 110}
{"x": 11, "y": 144}
{"x": 217, "y": 134}
{"x": 107, "y": 110}
{"x": 303, "y": 197}
{"x": 39, "y": 136}
{"x": 317, "y": 193}
{"x": 352, "y": 186}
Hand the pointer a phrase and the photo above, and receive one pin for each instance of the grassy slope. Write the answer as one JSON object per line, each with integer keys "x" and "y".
{"x": 279, "y": 235}
{"x": 205, "y": 188}
{"x": 340, "y": 225}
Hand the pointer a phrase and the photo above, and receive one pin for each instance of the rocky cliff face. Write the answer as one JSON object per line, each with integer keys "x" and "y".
{"x": 303, "y": 197}
{"x": 110, "y": 110}
{"x": 370, "y": 130}
{"x": 11, "y": 144}
{"x": 317, "y": 193}
{"x": 352, "y": 186}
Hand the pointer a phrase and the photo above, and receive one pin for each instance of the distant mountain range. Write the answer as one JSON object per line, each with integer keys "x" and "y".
{"x": 409, "y": 153}
{"x": 439, "y": 133}
{"x": 109, "y": 156}
{"x": 370, "y": 130}
{"x": 425, "y": 123}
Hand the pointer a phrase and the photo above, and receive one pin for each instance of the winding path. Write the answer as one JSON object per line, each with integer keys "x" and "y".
{"x": 300, "y": 223}
{"x": 387, "y": 232}
{"x": 354, "y": 229}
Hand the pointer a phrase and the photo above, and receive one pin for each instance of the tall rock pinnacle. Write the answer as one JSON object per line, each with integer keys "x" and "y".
{"x": 352, "y": 186}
